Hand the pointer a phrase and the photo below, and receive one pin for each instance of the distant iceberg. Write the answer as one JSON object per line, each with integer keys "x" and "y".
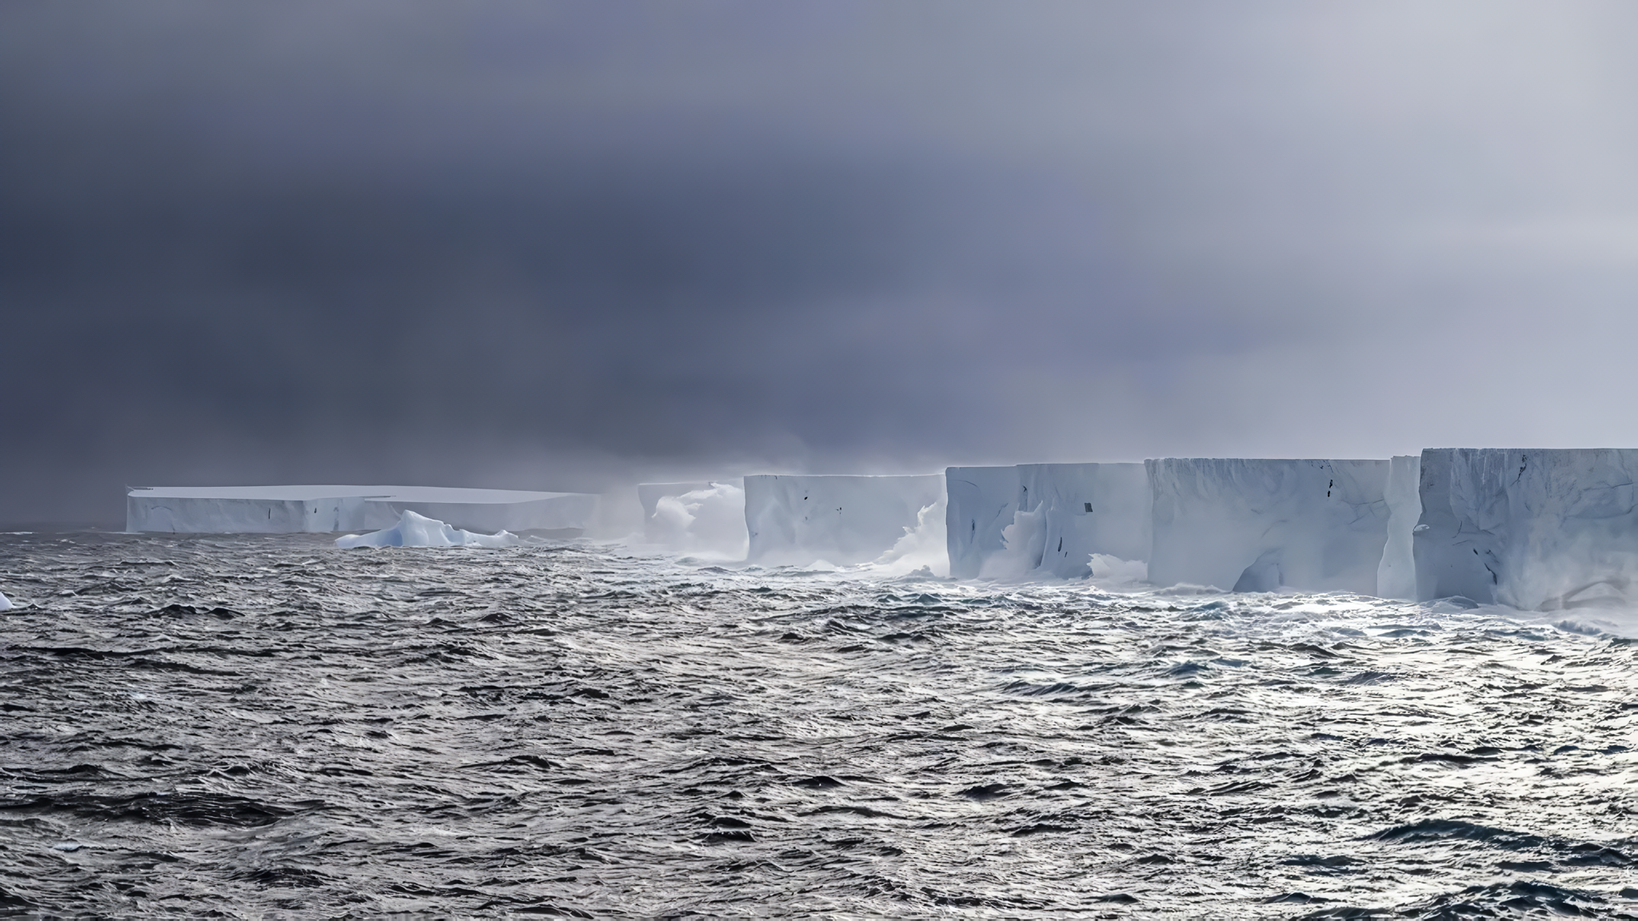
{"x": 413, "y": 530}
{"x": 310, "y": 509}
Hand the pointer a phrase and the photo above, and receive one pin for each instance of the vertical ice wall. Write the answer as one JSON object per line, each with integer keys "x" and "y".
{"x": 799, "y": 520}
{"x": 1534, "y": 529}
{"x": 1257, "y": 525}
{"x": 981, "y": 502}
{"x": 1396, "y": 576}
{"x": 1082, "y": 509}
{"x": 1045, "y": 520}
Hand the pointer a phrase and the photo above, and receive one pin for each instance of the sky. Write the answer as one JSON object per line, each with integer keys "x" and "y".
{"x": 572, "y": 245}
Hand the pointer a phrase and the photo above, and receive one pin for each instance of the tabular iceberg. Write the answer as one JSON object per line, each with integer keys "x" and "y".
{"x": 1534, "y": 529}
{"x": 1258, "y": 525}
{"x": 845, "y": 520}
{"x": 413, "y": 530}
{"x": 291, "y": 509}
{"x": 1045, "y": 520}
{"x": 697, "y": 518}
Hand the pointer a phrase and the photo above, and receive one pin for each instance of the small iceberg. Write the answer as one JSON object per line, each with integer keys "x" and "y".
{"x": 413, "y": 530}
{"x": 5, "y": 603}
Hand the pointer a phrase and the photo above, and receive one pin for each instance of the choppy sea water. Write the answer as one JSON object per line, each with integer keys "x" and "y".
{"x": 272, "y": 727}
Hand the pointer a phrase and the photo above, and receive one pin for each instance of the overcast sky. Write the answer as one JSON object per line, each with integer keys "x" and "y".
{"x": 558, "y": 245}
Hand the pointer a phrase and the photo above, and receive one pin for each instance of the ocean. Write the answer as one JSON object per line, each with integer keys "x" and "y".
{"x": 271, "y": 727}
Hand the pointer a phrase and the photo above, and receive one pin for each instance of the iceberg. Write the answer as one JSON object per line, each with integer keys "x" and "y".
{"x": 843, "y": 520}
{"x": 1046, "y": 520}
{"x": 416, "y": 530}
{"x": 320, "y": 509}
{"x": 698, "y": 518}
{"x": 5, "y": 603}
{"x": 1538, "y": 530}
{"x": 1260, "y": 525}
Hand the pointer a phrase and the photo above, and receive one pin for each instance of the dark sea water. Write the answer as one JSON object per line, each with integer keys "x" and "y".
{"x": 269, "y": 727}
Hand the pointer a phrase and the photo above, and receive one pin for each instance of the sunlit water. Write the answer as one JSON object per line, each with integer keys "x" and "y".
{"x": 270, "y": 726}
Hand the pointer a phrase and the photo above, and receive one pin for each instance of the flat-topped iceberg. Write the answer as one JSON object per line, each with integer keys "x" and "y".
{"x": 296, "y": 509}
{"x": 844, "y": 520}
{"x": 1046, "y": 520}
{"x": 1260, "y": 525}
{"x": 1539, "y": 530}
{"x": 414, "y": 530}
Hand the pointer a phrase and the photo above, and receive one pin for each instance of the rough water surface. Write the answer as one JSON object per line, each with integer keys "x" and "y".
{"x": 271, "y": 726}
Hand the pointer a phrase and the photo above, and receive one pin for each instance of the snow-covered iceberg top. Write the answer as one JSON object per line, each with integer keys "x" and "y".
{"x": 413, "y": 530}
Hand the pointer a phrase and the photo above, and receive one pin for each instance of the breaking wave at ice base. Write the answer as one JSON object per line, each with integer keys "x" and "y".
{"x": 267, "y": 725}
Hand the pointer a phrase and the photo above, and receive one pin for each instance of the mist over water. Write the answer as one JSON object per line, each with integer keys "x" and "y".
{"x": 272, "y": 724}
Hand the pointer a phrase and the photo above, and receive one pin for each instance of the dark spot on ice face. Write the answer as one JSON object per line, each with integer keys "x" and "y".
{"x": 1088, "y": 507}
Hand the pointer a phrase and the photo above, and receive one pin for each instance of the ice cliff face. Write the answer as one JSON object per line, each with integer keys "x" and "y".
{"x": 1045, "y": 520}
{"x": 1396, "y": 576}
{"x": 1258, "y": 525}
{"x": 845, "y": 520}
{"x": 1534, "y": 529}
{"x": 981, "y": 504}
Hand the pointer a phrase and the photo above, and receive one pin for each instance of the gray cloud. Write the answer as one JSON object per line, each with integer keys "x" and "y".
{"x": 557, "y": 245}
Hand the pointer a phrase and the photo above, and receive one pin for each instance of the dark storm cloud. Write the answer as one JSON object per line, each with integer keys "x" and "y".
{"x": 559, "y": 245}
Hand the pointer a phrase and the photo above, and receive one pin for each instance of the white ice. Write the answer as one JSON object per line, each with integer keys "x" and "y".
{"x": 1538, "y": 530}
{"x": 1262, "y": 525}
{"x": 288, "y": 509}
{"x": 5, "y": 603}
{"x": 842, "y": 520}
{"x": 1038, "y": 521}
{"x": 413, "y": 530}
{"x": 1396, "y": 575}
